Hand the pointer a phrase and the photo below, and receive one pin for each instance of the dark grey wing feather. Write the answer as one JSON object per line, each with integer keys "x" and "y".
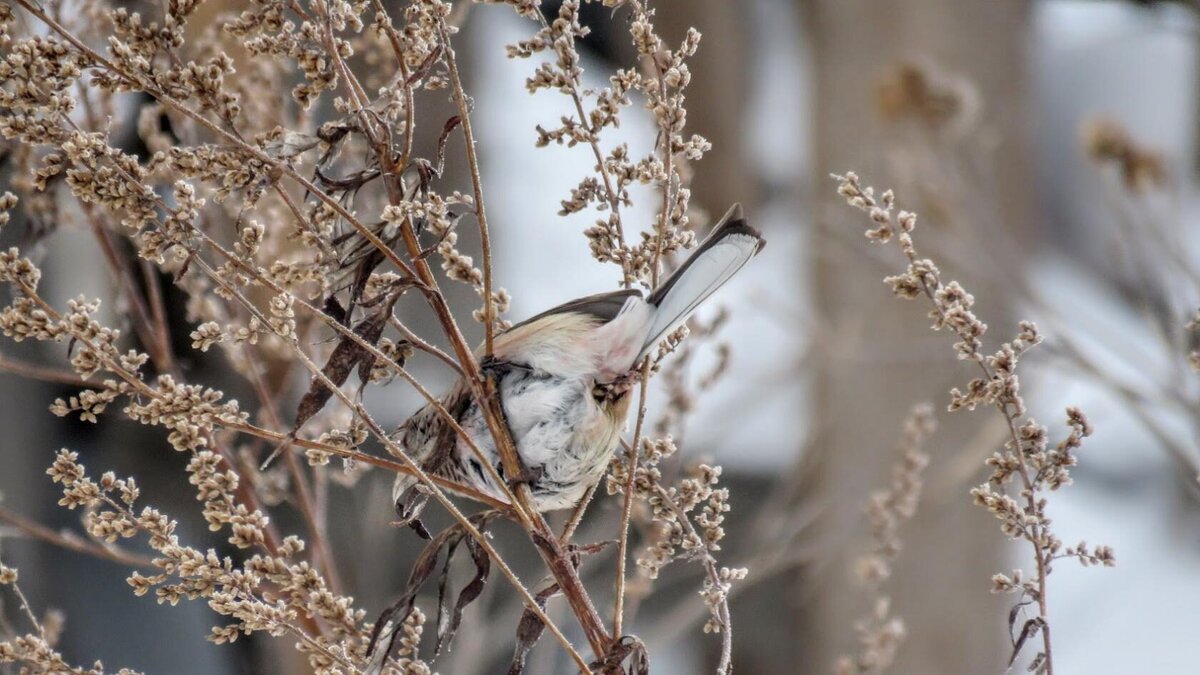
{"x": 603, "y": 306}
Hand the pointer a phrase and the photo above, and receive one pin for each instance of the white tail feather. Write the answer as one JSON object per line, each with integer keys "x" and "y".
{"x": 731, "y": 245}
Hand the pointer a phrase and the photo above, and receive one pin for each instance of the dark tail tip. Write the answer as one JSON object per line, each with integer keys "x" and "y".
{"x": 733, "y": 222}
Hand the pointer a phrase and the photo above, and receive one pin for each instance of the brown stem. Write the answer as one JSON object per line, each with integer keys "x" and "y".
{"x": 485, "y": 240}
{"x": 42, "y": 373}
{"x": 126, "y": 286}
{"x": 555, "y": 557}
{"x": 725, "y": 665}
{"x": 424, "y": 346}
{"x": 547, "y": 544}
{"x": 593, "y": 135}
{"x": 627, "y": 506}
{"x": 576, "y": 516}
{"x": 158, "y": 308}
{"x": 1035, "y": 530}
{"x": 304, "y": 496}
{"x": 409, "y": 112}
{"x": 71, "y": 542}
{"x": 380, "y": 462}
{"x": 435, "y": 298}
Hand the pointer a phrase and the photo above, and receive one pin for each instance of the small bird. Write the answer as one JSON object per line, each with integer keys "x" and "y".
{"x": 564, "y": 379}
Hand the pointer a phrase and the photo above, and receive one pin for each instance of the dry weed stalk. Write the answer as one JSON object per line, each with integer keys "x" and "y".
{"x": 34, "y": 650}
{"x": 1156, "y": 278}
{"x": 284, "y": 223}
{"x": 1028, "y": 466}
{"x": 880, "y": 633}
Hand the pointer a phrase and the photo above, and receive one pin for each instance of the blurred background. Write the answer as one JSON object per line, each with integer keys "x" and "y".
{"x": 1050, "y": 148}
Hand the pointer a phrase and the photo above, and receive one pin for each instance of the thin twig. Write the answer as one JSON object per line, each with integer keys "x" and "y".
{"x": 573, "y": 87}
{"x": 42, "y": 373}
{"x": 668, "y": 157}
{"x": 308, "y": 510}
{"x": 725, "y": 664}
{"x": 70, "y": 542}
{"x": 485, "y": 240}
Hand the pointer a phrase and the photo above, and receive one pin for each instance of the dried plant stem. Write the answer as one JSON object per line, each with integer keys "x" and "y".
{"x": 627, "y": 502}
{"x": 232, "y": 139}
{"x": 1011, "y": 419}
{"x": 70, "y": 542}
{"x": 158, "y": 310}
{"x": 437, "y": 300}
{"x": 127, "y": 287}
{"x": 577, "y": 514}
{"x": 725, "y": 663}
{"x": 668, "y": 158}
{"x": 304, "y": 496}
{"x": 424, "y": 346}
{"x": 380, "y": 462}
{"x": 485, "y": 240}
{"x": 573, "y": 87}
{"x": 545, "y": 541}
{"x": 352, "y": 84}
{"x": 323, "y": 649}
{"x": 1026, "y": 454}
{"x": 42, "y": 373}
{"x": 28, "y": 610}
{"x": 397, "y": 45}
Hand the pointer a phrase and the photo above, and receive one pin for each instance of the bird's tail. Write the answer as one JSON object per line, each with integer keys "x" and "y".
{"x": 731, "y": 245}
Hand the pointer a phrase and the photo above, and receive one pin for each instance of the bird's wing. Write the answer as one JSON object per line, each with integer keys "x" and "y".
{"x": 603, "y": 306}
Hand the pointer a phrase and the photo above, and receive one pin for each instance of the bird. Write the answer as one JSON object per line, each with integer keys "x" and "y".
{"x": 564, "y": 379}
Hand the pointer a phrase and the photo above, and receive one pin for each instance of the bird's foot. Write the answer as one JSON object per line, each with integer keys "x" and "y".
{"x": 492, "y": 366}
{"x": 609, "y": 392}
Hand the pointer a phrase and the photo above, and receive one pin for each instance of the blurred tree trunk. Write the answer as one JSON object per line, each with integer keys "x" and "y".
{"x": 911, "y": 96}
{"x": 717, "y": 95}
